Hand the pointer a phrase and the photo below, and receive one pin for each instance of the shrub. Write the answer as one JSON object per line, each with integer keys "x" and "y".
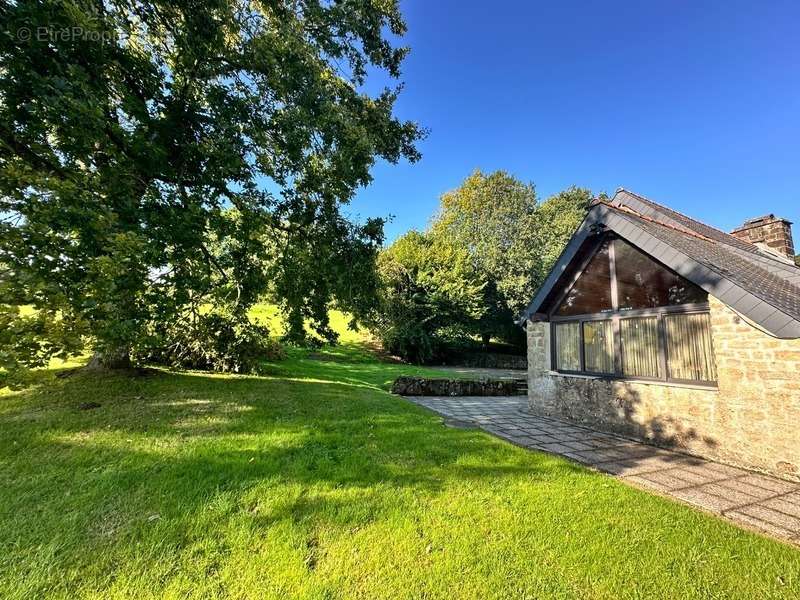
{"x": 431, "y": 297}
{"x": 214, "y": 342}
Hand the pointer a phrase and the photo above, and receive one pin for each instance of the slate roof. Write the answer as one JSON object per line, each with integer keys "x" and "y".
{"x": 759, "y": 285}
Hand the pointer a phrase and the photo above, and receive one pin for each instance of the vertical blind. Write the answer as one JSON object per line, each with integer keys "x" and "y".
{"x": 689, "y": 352}
{"x": 686, "y": 338}
{"x": 598, "y": 346}
{"x": 640, "y": 347}
{"x": 568, "y": 346}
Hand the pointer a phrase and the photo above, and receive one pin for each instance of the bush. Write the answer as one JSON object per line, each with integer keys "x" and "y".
{"x": 412, "y": 342}
{"x": 214, "y": 342}
{"x": 430, "y": 296}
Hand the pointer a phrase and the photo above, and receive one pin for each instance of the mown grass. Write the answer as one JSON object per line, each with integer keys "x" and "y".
{"x": 313, "y": 482}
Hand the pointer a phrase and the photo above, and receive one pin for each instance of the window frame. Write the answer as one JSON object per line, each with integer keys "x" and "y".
{"x": 615, "y": 315}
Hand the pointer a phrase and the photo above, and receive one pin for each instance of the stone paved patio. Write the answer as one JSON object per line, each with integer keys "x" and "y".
{"x": 751, "y": 499}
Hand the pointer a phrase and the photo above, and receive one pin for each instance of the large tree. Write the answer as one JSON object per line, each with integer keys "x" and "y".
{"x": 159, "y": 156}
{"x": 512, "y": 237}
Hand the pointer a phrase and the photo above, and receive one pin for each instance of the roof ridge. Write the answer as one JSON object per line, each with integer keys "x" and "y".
{"x": 739, "y": 242}
{"x": 677, "y": 212}
{"x": 629, "y": 210}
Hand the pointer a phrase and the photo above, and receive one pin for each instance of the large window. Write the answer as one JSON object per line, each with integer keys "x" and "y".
{"x": 590, "y": 293}
{"x": 568, "y": 356}
{"x": 639, "y": 341}
{"x": 626, "y": 315}
{"x": 598, "y": 346}
{"x": 643, "y": 283}
{"x": 689, "y": 353}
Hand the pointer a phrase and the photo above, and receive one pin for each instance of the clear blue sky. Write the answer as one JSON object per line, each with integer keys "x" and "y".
{"x": 693, "y": 104}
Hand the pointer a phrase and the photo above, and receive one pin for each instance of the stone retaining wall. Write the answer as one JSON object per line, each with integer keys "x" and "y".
{"x": 750, "y": 420}
{"x": 420, "y": 386}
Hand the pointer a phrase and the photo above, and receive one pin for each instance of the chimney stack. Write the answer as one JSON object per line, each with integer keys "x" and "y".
{"x": 770, "y": 233}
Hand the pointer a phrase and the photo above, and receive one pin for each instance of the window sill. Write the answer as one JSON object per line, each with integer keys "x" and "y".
{"x": 690, "y": 386}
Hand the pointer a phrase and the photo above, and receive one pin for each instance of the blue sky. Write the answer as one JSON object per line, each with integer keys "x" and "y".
{"x": 693, "y": 104}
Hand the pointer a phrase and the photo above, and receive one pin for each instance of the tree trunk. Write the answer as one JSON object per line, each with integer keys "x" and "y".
{"x": 109, "y": 360}
{"x": 486, "y": 338}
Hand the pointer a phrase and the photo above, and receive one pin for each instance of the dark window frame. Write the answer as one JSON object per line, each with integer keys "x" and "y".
{"x": 615, "y": 315}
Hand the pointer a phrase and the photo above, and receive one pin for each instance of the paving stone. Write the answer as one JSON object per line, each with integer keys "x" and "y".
{"x": 764, "y": 526}
{"x": 792, "y": 497}
{"x": 702, "y": 471}
{"x": 771, "y": 516}
{"x": 520, "y": 439}
{"x": 590, "y": 457}
{"x": 737, "y": 483}
{"x": 555, "y": 448}
{"x": 704, "y": 499}
{"x": 659, "y": 480}
{"x": 671, "y": 460}
{"x": 610, "y": 454}
{"x": 769, "y": 483}
{"x": 625, "y": 468}
{"x": 730, "y": 493}
{"x": 784, "y": 505}
{"x": 577, "y": 446}
{"x": 637, "y": 466}
{"x": 690, "y": 477}
{"x": 596, "y": 443}
{"x": 637, "y": 453}
{"x": 544, "y": 439}
{"x": 576, "y": 458}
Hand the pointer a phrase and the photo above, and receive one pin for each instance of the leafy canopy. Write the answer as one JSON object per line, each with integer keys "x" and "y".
{"x": 511, "y": 237}
{"x": 488, "y": 249}
{"x": 161, "y": 156}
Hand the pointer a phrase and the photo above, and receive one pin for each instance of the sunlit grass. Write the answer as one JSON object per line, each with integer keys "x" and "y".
{"x": 313, "y": 482}
{"x": 271, "y": 316}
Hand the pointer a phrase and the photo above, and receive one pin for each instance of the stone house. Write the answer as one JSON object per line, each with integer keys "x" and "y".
{"x": 657, "y": 326}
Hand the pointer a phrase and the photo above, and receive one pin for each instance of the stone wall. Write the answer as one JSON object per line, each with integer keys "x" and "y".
{"x": 423, "y": 386}
{"x": 751, "y": 420}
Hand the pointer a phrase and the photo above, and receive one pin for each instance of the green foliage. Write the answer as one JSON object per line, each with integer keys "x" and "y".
{"x": 556, "y": 220}
{"x": 213, "y": 342}
{"x": 489, "y": 248}
{"x": 159, "y": 156}
{"x": 336, "y": 261}
{"x": 492, "y": 217}
{"x": 431, "y": 296}
{"x": 33, "y": 339}
{"x": 512, "y": 238}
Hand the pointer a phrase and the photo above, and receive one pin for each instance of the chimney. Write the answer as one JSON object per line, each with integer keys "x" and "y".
{"x": 769, "y": 233}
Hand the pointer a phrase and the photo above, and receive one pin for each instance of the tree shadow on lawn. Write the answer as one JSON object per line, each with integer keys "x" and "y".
{"x": 178, "y": 445}
{"x": 172, "y": 474}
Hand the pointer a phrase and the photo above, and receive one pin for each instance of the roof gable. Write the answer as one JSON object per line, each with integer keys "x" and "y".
{"x": 759, "y": 286}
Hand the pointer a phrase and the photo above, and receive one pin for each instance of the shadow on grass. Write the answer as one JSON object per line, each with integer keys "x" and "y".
{"x": 174, "y": 444}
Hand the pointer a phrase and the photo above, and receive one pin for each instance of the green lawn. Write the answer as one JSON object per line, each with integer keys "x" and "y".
{"x": 314, "y": 482}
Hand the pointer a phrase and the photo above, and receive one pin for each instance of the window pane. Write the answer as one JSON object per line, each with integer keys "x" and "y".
{"x": 643, "y": 283}
{"x": 598, "y": 346}
{"x": 591, "y": 293}
{"x": 689, "y": 352}
{"x": 568, "y": 346}
{"x": 640, "y": 347}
